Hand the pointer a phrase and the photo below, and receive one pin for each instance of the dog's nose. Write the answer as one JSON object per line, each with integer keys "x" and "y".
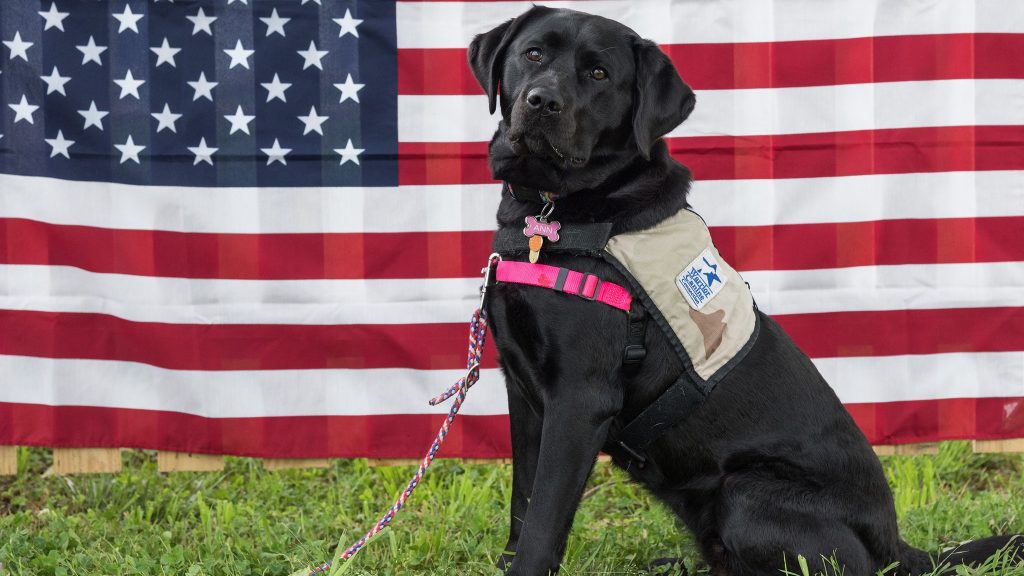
{"x": 543, "y": 99}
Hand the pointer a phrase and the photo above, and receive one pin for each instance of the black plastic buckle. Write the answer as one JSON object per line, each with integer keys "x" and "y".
{"x": 583, "y": 283}
{"x": 634, "y": 353}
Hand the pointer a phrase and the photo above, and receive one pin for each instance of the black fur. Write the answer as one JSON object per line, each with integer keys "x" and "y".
{"x": 772, "y": 465}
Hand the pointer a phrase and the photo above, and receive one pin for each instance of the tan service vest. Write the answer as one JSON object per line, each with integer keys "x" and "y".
{"x": 703, "y": 300}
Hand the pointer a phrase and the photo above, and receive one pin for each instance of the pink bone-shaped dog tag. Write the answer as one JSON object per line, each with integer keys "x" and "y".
{"x": 547, "y": 229}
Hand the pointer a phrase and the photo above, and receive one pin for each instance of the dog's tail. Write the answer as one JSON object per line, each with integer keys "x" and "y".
{"x": 997, "y": 550}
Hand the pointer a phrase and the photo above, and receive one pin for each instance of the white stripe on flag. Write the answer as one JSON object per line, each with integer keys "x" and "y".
{"x": 265, "y": 393}
{"x": 472, "y": 207}
{"x": 873, "y": 197}
{"x": 241, "y": 393}
{"x": 453, "y": 24}
{"x": 250, "y": 210}
{"x": 904, "y": 287}
{"x": 925, "y": 376}
{"x": 760, "y": 111}
{"x": 191, "y": 301}
{"x": 200, "y": 301}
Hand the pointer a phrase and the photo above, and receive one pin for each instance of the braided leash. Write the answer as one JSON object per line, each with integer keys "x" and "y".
{"x": 477, "y": 337}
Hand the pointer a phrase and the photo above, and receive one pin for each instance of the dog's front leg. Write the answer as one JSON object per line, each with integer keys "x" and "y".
{"x": 572, "y": 434}
{"x": 526, "y": 430}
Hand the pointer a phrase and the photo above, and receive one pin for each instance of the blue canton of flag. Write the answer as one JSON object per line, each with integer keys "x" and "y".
{"x": 200, "y": 93}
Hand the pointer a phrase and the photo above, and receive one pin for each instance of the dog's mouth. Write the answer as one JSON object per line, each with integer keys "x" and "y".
{"x": 575, "y": 161}
{"x": 525, "y": 145}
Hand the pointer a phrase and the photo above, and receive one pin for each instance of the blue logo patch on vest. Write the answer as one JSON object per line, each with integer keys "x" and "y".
{"x": 700, "y": 281}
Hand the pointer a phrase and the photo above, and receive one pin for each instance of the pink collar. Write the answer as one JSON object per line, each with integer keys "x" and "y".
{"x": 585, "y": 286}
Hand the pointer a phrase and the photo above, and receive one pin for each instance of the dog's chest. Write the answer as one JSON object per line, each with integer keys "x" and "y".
{"x": 547, "y": 341}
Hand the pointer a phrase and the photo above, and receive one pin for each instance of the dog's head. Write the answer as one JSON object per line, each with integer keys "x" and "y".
{"x": 580, "y": 97}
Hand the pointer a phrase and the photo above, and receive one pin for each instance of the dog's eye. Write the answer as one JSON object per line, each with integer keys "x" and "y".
{"x": 598, "y": 73}
{"x": 534, "y": 55}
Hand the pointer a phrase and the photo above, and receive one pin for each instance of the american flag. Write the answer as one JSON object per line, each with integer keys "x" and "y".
{"x": 256, "y": 227}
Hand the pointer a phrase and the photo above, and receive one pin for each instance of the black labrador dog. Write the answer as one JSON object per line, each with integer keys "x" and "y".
{"x": 771, "y": 465}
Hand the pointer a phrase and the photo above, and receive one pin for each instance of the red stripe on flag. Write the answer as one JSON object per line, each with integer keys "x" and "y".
{"x": 899, "y": 332}
{"x": 413, "y": 254}
{"x": 422, "y": 163}
{"x": 216, "y": 347}
{"x": 889, "y": 151}
{"x": 429, "y": 71}
{"x": 245, "y": 256}
{"x": 380, "y": 436}
{"x": 236, "y": 346}
{"x": 848, "y": 61}
{"x": 408, "y": 436}
{"x": 936, "y": 420}
{"x": 728, "y": 66}
{"x": 874, "y": 243}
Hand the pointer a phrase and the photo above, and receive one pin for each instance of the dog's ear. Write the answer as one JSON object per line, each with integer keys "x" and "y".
{"x": 661, "y": 100}
{"x": 487, "y": 53}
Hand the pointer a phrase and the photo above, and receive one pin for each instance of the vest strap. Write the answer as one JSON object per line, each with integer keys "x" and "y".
{"x": 585, "y": 286}
{"x": 635, "y": 351}
{"x": 675, "y": 405}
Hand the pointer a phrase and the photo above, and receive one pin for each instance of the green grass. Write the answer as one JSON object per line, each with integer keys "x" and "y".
{"x": 245, "y": 520}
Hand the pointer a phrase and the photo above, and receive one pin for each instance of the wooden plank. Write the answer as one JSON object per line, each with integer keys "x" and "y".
{"x": 378, "y": 462}
{"x": 473, "y": 461}
{"x": 602, "y": 457}
{"x": 288, "y": 463}
{"x": 907, "y": 449}
{"x": 188, "y": 462}
{"x": 8, "y": 460}
{"x": 86, "y": 460}
{"x": 1009, "y": 445}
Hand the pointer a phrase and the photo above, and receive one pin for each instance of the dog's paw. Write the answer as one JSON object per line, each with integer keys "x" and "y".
{"x": 667, "y": 567}
{"x": 504, "y": 561}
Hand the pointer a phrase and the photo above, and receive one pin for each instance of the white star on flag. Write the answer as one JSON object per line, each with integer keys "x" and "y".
{"x": 349, "y": 89}
{"x": 276, "y": 153}
{"x": 129, "y": 85}
{"x": 93, "y": 117}
{"x": 203, "y": 152}
{"x": 23, "y": 111}
{"x": 201, "y": 22}
{"x": 91, "y": 52}
{"x": 166, "y": 119}
{"x": 275, "y": 24}
{"x": 239, "y": 55}
{"x": 59, "y": 145}
{"x": 276, "y": 89}
{"x": 313, "y": 122}
{"x": 18, "y": 47}
{"x": 349, "y": 153}
{"x": 348, "y": 24}
{"x": 55, "y": 82}
{"x": 54, "y": 19}
{"x": 239, "y": 121}
{"x": 202, "y": 88}
{"x": 128, "y": 20}
{"x": 165, "y": 54}
{"x": 129, "y": 150}
{"x": 312, "y": 56}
